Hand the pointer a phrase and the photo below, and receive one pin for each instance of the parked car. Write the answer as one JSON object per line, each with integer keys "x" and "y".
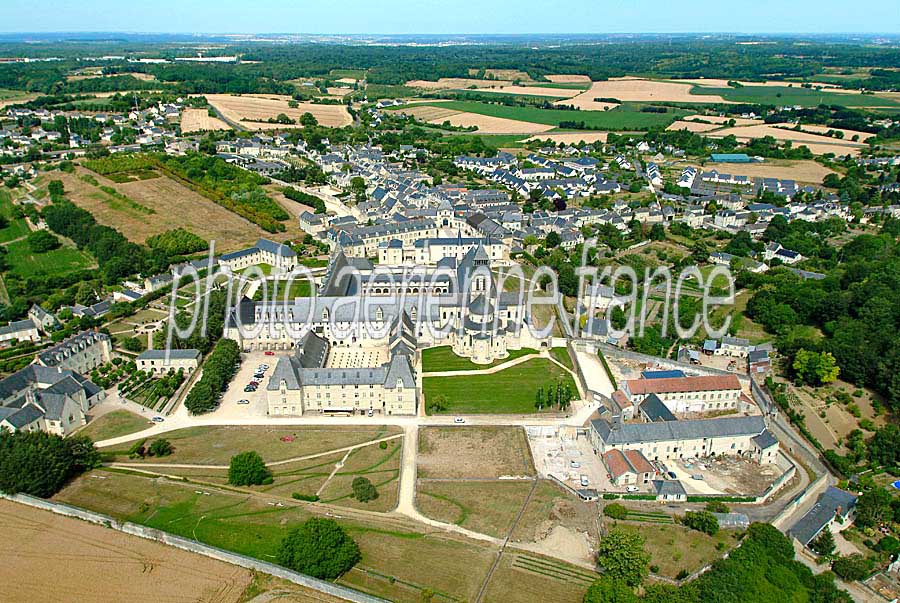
{"x": 697, "y": 477}
{"x": 632, "y": 489}
{"x": 157, "y": 419}
{"x": 243, "y": 401}
{"x": 370, "y": 413}
{"x": 574, "y": 464}
{"x": 671, "y": 475}
{"x": 584, "y": 481}
{"x": 459, "y": 420}
{"x": 270, "y": 353}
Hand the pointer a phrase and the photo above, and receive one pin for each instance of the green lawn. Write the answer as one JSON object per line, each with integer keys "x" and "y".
{"x": 299, "y": 288}
{"x": 562, "y": 356}
{"x": 114, "y": 424}
{"x": 264, "y": 268}
{"x": 23, "y": 262}
{"x": 443, "y": 359}
{"x": 627, "y": 116}
{"x": 778, "y": 95}
{"x": 511, "y": 390}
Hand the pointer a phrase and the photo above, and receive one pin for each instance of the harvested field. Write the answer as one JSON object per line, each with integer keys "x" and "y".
{"x": 473, "y": 452}
{"x": 504, "y": 74}
{"x": 640, "y": 90}
{"x": 848, "y": 134}
{"x": 568, "y": 79}
{"x": 572, "y": 137}
{"x": 693, "y": 126}
{"x": 533, "y": 91}
{"x": 801, "y": 171}
{"x": 198, "y": 120}
{"x": 92, "y": 563}
{"x": 722, "y": 119}
{"x": 449, "y": 83}
{"x": 488, "y": 507}
{"x": 174, "y": 204}
{"x": 253, "y": 110}
{"x": 428, "y": 113}
{"x": 487, "y": 124}
{"x": 822, "y": 144}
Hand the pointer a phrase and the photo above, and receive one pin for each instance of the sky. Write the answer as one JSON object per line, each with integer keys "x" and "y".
{"x": 450, "y": 17}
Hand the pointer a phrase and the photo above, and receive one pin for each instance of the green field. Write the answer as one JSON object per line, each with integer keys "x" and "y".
{"x": 627, "y": 116}
{"x": 23, "y": 262}
{"x": 795, "y": 95}
{"x": 511, "y": 390}
{"x": 443, "y": 359}
{"x": 563, "y": 85}
{"x": 115, "y": 424}
{"x": 17, "y": 226}
{"x": 299, "y": 288}
{"x": 12, "y": 95}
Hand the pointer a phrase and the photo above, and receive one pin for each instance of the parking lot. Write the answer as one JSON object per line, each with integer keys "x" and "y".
{"x": 555, "y": 452}
{"x": 235, "y": 392}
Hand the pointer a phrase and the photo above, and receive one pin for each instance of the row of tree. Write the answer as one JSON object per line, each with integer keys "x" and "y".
{"x": 218, "y": 369}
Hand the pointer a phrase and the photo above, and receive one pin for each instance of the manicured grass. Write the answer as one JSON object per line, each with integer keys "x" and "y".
{"x": 216, "y": 445}
{"x": 778, "y": 95}
{"x": 674, "y": 548}
{"x": 625, "y": 117}
{"x": 443, "y": 359}
{"x": 299, "y": 288}
{"x": 114, "y": 424}
{"x": 512, "y": 390}
{"x": 561, "y": 355}
{"x": 264, "y": 268}
{"x": 25, "y": 263}
{"x": 486, "y": 507}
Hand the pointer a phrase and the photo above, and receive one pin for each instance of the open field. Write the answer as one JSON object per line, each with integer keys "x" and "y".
{"x": 511, "y": 390}
{"x": 13, "y": 97}
{"x": 246, "y": 523}
{"x": 492, "y": 125}
{"x": 90, "y": 563}
{"x": 489, "y": 507}
{"x": 692, "y": 126}
{"x": 442, "y": 358}
{"x": 572, "y": 137}
{"x": 568, "y": 79}
{"x": 625, "y": 117}
{"x": 429, "y": 113}
{"x": 65, "y": 259}
{"x": 198, "y": 120}
{"x": 640, "y": 90}
{"x": 674, "y": 548}
{"x": 722, "y": 119}
{"x": 114, "y": 424}
{"x": 450, "y": 83}
{"x": 473, "y": 452}
{"x": 533, "y": 91}
{"x": 524, "y": 578}
{"x": 175, "y": 206}
{"x": 793, "y": 96}
{"x": 746, "y": 133}
{"x": 805, "y": 170}
{"x": 216, "y": 445}
{"x": 253, "y": 110}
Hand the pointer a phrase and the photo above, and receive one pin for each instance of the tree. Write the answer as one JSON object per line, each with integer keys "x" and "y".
{"x": 319, "y": 548}
{"x": 41, "y": 241}
{"x": 605, "y": 590}
{"x": 363, "y": 490}
{"x": 621, "y": 556}
{"x": 702, "y": 521}
{"x": 39, "y": 463}
{"x": 852, "y": 567}
{"x": 657, "y": 232}
{"x": 815, "y": 368}
{"x": 717, "y": 506}
{"x": 615, "y": 510}
{"x": 161, "y": 447}
{"x": 248, "y": 469}
{"x": 553, "y": 240}
{"x": 437, "y": 404}
{"x": 873, "y": 508}
{"x": 358, "y": 188}
{"x": 823, "y": 544}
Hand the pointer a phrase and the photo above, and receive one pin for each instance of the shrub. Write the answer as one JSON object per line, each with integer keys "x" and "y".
{"x": 682, "y": 575}
{"x": 383, "y": 445}
{"x": 363, "y": 490}
{"x": 306, "y": 497}
{"x": 248, "y": 469}
{"x": 160, "y": 447}
{"x": 615, "y": 510}
{"x": 319, "y": 548}
{"x": 702, "y": 521}
{"x": 41, "y": 241}
{"x": 853, "y": 567}
{"x": 717, "y": 506}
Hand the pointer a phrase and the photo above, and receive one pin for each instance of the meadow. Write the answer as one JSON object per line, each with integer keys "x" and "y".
{"x": 794, "y": 95}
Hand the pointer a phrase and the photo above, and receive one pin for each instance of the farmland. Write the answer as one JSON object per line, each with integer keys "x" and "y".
{"x": 199, "y": 120}
{"x": 253, "y": 111}
{"x": 794, "y": 95}
{"x": 511, "y": 390}
{"x": 626, "y": 117}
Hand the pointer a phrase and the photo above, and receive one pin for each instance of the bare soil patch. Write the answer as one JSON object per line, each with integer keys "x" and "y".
{"x": 89, "y": 563}
{"x": 253, "y": 110}
{"x": 197, "y": 120}
{"x": 641, "y": 90}
{"x": 473, "y": 452}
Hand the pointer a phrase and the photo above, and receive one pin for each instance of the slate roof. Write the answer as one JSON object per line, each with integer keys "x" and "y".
{"x": 654, "y": 409}
{"x": 765, "y": 440}
{"x": 188, "y": 354}
{"x": 633, "y": 433}
{"x": 829, "y": 504}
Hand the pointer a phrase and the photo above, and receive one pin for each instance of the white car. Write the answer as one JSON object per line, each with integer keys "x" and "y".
{"x": 632, "y": 489}
{"x": 459, "y": 420}
{"x": 584, "y": 481}
{"x": 157, "y": 419}
{"x": 574, "y": 464}
{"x": 243, "y": 401}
